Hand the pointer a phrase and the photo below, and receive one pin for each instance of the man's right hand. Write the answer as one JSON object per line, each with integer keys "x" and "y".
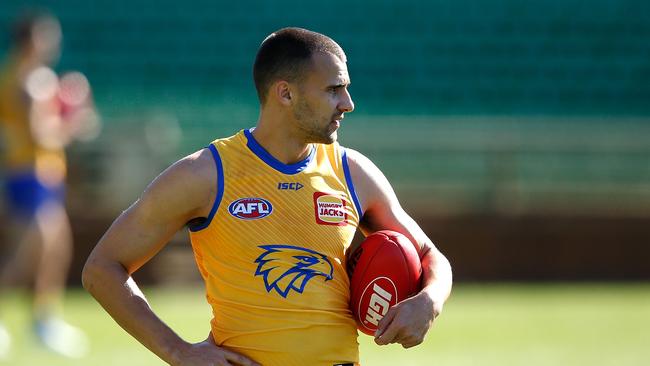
{"x": 183, "y": 192}
{"x": 207, "y": 353}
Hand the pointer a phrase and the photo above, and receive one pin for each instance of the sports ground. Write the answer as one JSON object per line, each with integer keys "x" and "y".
{"x": 483, "y": 324}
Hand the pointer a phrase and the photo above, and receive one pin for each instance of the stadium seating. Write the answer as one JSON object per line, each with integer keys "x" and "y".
{"x": 440, "y": 57}
{"x": 568, "y": 60}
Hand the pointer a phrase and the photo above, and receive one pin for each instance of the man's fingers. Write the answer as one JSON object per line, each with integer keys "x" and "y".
{"x": 239, "y": 359}
{"x": 388, "y": 334}
{"x": 385, "y": 322}
{"x": 409, "y": 345}
{"x": 410, "y": 342}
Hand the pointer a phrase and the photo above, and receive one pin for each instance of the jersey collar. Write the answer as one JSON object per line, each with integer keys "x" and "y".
{"x": 274, "y": 163}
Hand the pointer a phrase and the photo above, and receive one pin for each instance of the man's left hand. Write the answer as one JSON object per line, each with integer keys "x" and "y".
{"x": 408, "y": 322}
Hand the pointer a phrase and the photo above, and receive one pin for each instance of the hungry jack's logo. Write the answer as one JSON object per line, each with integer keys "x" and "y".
{"x": 330, "y": 209}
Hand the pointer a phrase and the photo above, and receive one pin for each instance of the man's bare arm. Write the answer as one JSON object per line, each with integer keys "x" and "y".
{"x": 183, "y": 192}
{"x": 408, "y": 322}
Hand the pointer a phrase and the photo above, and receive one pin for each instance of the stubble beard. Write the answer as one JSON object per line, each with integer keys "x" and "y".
{"x": 313, "y": 130}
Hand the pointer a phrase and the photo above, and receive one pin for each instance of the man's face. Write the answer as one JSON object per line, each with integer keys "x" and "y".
{"x": 322, "y": 99}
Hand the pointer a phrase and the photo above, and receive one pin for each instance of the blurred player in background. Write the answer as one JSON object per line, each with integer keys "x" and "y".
{"x": 40, "y": 114}
{"x": 273, "y": 263}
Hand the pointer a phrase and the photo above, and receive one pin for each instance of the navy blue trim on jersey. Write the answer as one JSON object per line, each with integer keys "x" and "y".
{"x": 274, "y": 163}
{"x": 217, "y": 200}
{"x": 348, "y": 179}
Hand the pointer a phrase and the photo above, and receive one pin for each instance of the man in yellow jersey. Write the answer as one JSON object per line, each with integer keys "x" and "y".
{"x": 34, "y": 132}
{"x": 273, "y": 263}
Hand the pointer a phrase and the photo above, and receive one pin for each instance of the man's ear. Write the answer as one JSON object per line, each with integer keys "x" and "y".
{"x": 282, "y": 92}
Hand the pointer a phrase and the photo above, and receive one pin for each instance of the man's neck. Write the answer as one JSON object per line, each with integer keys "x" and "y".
{"x": 279, "y": 142}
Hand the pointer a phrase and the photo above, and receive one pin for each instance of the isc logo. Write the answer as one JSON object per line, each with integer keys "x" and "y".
{"x": 290, "y": 186}
{"x": 250, "y": 208}
{"x": 381, "y": 299}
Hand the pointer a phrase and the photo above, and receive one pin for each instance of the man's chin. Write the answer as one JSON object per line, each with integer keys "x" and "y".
{"x": 331, "y": 138}
{"x": 325, "y": 139}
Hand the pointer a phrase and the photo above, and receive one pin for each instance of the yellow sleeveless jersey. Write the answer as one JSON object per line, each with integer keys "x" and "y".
{"x": 21, "y": 152}
{"x": 272, "y": 254}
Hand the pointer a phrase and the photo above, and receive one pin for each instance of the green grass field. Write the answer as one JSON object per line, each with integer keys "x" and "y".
{"x": 496, "y": 324}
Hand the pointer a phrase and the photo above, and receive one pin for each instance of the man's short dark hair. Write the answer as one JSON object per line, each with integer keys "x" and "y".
{"x": 286, "y": 55}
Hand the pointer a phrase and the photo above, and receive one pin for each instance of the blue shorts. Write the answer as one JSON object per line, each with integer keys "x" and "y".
{"x": 25, "y": 194}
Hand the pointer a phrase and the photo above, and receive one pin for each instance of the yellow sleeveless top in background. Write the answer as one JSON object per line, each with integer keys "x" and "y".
{"x": 20, "y": 149}
{"x": 272, "y": 254}
{"x": 21, "y": 152}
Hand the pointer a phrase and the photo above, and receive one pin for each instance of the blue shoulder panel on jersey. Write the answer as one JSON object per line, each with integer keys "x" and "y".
{"x": 274, "y": 163}
{"x": 348, "y": 179}
{"x": 217, "y": 200}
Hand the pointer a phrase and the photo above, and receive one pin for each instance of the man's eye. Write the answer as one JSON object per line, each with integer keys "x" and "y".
{"x": 306, "y": 259}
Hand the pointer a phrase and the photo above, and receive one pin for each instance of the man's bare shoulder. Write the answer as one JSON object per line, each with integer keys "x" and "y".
{"x": 199, "y": 165}
{"x": 357, "y": 160}
{"x": 372, "y": 187}
{"x": 365, "y": 173}
{"x": 189, "y": 184}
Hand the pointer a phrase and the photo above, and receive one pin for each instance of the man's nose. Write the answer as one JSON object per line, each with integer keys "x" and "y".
{"x": 346, "y": 105}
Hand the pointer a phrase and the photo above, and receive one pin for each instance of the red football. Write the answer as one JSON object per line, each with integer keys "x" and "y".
{"x": 384, "y": 270}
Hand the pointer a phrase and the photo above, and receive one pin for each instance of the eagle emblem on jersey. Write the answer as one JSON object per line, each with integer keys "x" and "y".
{"x": 287, "y": 267}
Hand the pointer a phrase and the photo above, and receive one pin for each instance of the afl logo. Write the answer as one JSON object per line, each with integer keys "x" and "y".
{"x": 250, "y": 208}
